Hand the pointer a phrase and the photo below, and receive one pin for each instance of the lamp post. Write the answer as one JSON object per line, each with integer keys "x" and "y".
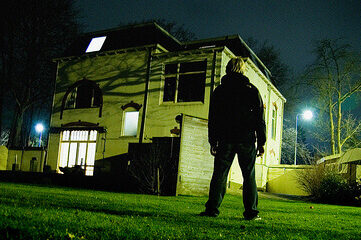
{"x": 39, "y": 129}
{"x": 307, "y": 115}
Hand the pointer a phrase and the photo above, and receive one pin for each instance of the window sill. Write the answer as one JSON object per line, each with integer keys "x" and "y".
{"x": 128, "y": 137}
{"x": 181, "y": 103}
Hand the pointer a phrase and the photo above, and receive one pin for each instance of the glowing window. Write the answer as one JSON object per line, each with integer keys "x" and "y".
{"x": 130, "y": 123}
{"x": 78, "y": 148}
{"x": 95, "y": 44}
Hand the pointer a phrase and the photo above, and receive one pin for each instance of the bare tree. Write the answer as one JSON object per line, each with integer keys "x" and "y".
{"x": 288, "y": 148}
{"x": 32, "y": 33}
{"x": 335, "y": 77}
{"x": 4, "y": 137}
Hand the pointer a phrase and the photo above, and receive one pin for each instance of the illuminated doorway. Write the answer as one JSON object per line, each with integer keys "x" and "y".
{"x": 78, "y": 148}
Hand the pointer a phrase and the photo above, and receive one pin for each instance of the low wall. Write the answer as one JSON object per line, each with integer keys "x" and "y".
{"x": 25, "y": 159}
{"x": 282, "y": 179}
{"x": 3, "y": 157}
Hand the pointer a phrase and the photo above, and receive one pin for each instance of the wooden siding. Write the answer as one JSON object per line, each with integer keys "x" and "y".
{"x": 195, "y": 161}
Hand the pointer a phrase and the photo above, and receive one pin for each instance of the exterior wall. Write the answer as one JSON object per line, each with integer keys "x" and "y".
{"x": 161, "y": 115}
{"x": 121, "y": 78}
{"x": 282, "y": 179}
{"x": 3, "y": 157}
{"x": 24, "y": 160}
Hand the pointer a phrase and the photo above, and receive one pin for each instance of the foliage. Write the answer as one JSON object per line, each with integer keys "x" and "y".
{"x": 33, "y": 32}
{"x": 326, "y": 185}
{"x": 178, "y": 31}
{"x": 152, "y": 170}
{"x": 334, "y": 78}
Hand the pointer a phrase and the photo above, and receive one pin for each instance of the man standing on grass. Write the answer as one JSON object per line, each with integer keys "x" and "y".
{"x": 236, "y": 121}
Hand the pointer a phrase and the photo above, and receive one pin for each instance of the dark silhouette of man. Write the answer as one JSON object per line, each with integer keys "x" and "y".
{"x": 235, "y": 123}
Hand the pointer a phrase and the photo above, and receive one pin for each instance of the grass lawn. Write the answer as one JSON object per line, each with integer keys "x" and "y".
{"x": 37, "y": 212}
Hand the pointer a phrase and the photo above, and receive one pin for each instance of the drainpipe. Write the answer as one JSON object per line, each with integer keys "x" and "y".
{"x": 141, "y": 133}
{"x": 213, "y": 71}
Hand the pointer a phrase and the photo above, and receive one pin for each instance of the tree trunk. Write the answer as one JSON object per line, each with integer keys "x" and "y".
{"x": 15, "y": 138}
{"x": 332, "y": 131}
{"x": 339, "y": 118}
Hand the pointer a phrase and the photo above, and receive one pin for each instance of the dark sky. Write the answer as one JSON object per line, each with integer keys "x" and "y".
{"x": 291, "y": 26}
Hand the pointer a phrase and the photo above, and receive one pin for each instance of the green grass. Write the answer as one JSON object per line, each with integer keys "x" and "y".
{"x": 37, "y": 212}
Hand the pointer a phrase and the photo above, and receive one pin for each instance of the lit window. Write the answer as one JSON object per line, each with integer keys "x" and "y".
{"x": 95, "y": 44}
{"x": 274, "y": 122}
{"x": 130, "y": 123}
{"x": 184, "y": 82}
{"x": 78, "y": 148}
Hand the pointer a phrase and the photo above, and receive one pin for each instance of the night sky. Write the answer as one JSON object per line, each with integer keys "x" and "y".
{"x": 291, "y": 26}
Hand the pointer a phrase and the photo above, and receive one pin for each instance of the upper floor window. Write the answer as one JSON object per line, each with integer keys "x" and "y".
{"x": 82, "y": 94}
{"x": 274, "y": 122}
{"x": 184, "y": 82}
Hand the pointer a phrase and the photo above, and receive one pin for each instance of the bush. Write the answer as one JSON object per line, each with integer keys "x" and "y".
{"x": 326, "y": 185}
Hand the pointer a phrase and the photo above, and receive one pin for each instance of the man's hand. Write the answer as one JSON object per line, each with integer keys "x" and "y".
{"x": 214, "y": 150}
{"x": 260, "y": 151}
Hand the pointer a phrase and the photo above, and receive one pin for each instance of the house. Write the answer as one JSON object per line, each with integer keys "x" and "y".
{"x": 128, "y": 85}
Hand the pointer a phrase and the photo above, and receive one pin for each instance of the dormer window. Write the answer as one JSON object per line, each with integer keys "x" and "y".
{"x": 95, "y": 44}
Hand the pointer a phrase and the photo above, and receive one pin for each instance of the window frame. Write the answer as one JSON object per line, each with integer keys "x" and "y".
{"x": 177, "y": 76}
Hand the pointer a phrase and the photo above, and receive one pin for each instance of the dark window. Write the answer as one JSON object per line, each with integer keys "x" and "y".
{"x": 185, "y": 82}
{"x": 84, "y": 96}
{"x": 170, "y": 84}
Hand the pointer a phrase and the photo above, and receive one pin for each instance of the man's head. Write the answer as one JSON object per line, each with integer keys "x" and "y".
{"x": 235, "y": 65}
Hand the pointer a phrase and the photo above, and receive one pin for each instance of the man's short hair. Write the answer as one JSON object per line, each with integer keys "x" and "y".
{"x": 235, "y": 65}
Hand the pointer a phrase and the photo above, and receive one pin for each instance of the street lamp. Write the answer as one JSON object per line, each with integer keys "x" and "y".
{"x": 39, "y": 129}
{"x": 307, "y": 115}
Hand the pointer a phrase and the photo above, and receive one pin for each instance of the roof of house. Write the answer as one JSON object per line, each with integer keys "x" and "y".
{"x": 126, "y": 37}
{"x": 150, "y": 34}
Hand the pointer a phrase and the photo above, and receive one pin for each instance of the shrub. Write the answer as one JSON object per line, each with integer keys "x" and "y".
{"x": 326, "y": 185}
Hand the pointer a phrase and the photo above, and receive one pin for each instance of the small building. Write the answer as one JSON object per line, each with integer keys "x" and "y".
{"x": 129, "y": 84}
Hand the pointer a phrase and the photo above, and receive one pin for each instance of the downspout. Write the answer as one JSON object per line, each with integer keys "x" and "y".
{"x": 50, "y": 120}
{"x": 281, "y": 133}
{"x": 147, "y": 77}
{"x": 213, "y": 71}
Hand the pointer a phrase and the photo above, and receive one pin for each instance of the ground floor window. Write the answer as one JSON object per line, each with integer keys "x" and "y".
{"x": 78, "y": 148}
{"x": 130, "y": 126}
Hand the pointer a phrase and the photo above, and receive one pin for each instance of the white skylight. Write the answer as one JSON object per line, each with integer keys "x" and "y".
{"x": 95, "y": 44}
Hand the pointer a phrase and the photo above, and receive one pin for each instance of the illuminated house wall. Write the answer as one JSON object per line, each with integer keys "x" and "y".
{"x": 105, "y": 91}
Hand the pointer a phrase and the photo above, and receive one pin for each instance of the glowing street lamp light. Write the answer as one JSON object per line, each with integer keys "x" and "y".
{"x": 307, "y": 115}
{"x": 39, "y": 128}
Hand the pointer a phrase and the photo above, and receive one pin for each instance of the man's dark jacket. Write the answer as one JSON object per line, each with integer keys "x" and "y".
{"x": 236, "y": 113}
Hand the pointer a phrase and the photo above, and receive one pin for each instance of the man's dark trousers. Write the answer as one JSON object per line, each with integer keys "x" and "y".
{"x": 246, "y": 154}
